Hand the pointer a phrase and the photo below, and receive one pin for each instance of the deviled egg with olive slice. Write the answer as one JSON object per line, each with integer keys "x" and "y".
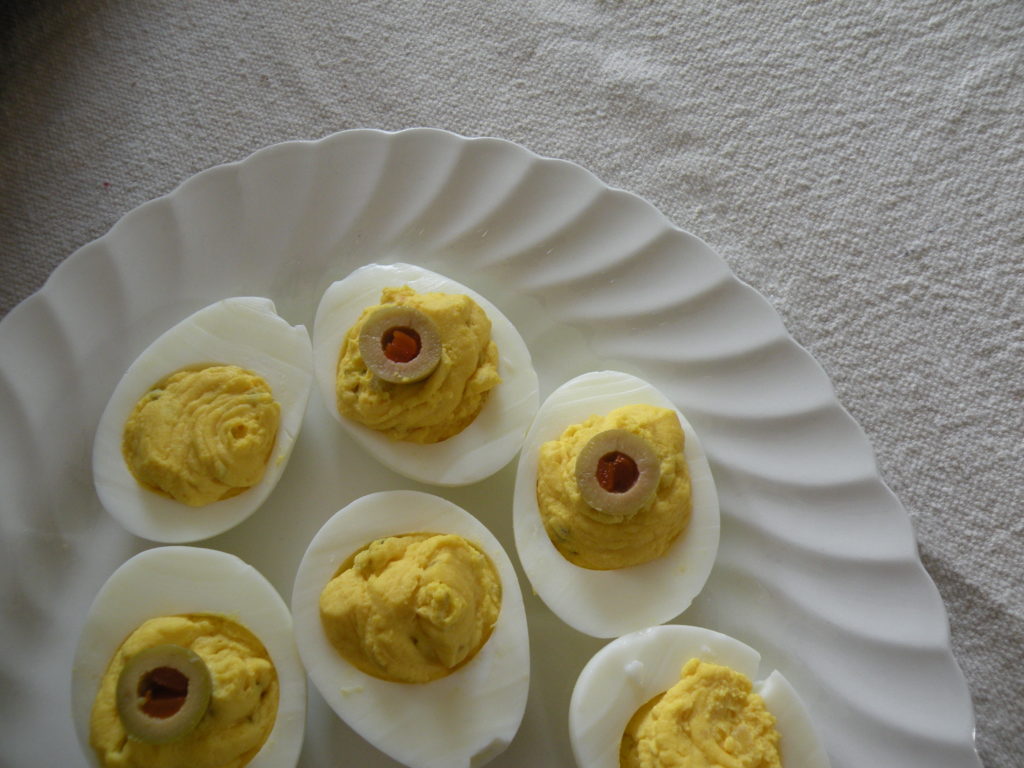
{"x": 199, "y": 429}
{"x": 615, "y": 511}
{"x": 409, "y": 620}
{"x": 426, "y": 374}
{"x": 187, "y": 658}
{"x": 685, "y": 695}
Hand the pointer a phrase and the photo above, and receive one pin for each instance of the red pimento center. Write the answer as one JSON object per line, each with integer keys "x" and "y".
{"x": 164, "y": 691}
{"x": 400, "y": 345}
{"x": 616, "y": 472}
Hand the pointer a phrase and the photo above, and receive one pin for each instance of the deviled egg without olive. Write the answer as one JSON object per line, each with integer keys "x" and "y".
{"x": 714, "y": 709}
{"x": 199, "y": 429}
{"x": 409, "y": 619}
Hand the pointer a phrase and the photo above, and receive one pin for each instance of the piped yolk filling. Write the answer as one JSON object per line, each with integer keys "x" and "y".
{"x": 412, "y": 608}
{"x": 202, "y": 435}
{"x": 711, "y": 718}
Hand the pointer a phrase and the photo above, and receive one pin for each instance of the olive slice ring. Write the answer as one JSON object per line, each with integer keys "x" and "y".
{"x": 617, "y": 472}
{"x": 162, "y": 693}
{"x": 400, "y": 344}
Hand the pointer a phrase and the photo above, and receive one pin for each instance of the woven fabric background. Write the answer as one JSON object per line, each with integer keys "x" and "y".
{"x": 861, "y": 164}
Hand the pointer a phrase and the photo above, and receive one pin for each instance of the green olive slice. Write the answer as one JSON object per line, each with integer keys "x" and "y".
{"x": 617, "y": 472}
{"x": 162, "y": 693}
{"x": 400, "y": 344}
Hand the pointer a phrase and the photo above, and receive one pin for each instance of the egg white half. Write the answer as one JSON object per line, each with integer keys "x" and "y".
{"x": 169, "y": 581}
{"x": 633, "y": 669}
{"x": 464, "y": 719}
{"x": 494, "y": 436}
{"x": 242, "y": 331}
{"x": 609, "y": 603}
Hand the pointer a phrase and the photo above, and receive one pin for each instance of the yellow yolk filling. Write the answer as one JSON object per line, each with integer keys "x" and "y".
{"x": 202, "y": 435}
{"x": 709, "y": 719}
{"x": 592, "y": 539}
{"x": 412, "y": 608}
{"x": 242, "y": 709}
{"x": 445, "y": 402}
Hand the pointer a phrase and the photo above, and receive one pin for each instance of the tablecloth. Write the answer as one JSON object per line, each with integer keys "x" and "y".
{"x": 861, "y": 164}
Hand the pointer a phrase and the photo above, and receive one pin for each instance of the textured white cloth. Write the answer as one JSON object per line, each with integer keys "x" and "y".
{"x": 861, "y": 164}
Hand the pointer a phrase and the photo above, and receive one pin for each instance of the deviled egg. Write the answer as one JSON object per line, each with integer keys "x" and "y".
{"x": 199, "y": 429}
{"x": 187, "y": 658}
{"x": 409, "y": 620}
{"x": 426, "y": 374}
{"x": 615, "y": 512}
{"x": 687, "y": 693}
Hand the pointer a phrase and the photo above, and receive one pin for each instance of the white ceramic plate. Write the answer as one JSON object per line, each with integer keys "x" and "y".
{"x": 817, "y": 567}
